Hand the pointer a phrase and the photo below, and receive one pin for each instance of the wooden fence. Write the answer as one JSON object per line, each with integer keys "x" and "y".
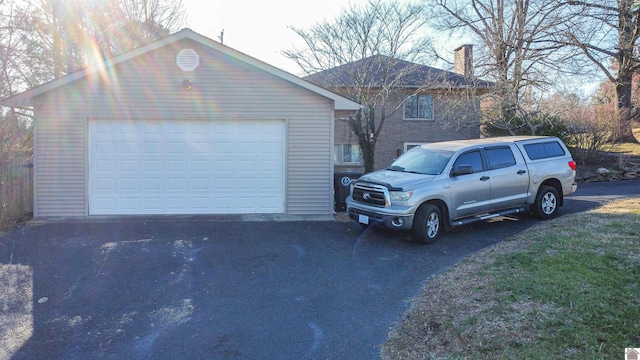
{"x": 16, "y": 190}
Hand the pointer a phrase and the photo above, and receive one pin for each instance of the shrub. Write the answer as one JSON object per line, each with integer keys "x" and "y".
{"x": 589, "y": 133}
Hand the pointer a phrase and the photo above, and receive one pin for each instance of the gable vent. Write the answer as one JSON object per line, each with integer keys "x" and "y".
{"x": 188, "y": 60}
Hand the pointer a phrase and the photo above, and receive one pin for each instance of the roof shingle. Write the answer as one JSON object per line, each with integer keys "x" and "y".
{"x": 379, "y": 70}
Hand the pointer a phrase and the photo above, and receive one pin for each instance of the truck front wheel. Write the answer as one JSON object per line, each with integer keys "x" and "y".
{"x": 427, "y": 224}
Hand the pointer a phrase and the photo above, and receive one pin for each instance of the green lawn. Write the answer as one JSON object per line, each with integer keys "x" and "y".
{"x": 567, "y": 288}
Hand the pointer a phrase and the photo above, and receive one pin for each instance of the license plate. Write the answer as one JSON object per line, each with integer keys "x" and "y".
{"x": 363, "y": 219}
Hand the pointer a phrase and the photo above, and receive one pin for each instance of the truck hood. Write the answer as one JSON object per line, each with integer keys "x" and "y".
{"x": 397, "y": 180}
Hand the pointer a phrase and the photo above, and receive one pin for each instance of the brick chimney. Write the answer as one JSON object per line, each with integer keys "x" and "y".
{"x": 463, "y": 61}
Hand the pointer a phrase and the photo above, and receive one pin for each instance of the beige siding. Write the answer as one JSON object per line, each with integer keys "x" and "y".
{"x": 150, "y": 87}
{"x": 59, "y": 162}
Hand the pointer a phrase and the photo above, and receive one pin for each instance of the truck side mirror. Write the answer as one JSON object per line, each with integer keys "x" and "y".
{"x": 462, "y": 170}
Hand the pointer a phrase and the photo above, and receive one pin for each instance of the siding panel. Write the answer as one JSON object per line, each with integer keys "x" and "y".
{"x": 150, "y": 87}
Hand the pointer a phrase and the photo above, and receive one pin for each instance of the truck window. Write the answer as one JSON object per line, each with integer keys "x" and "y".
{"x": 500, "y": 157}
{"x": 472, "y": 159}
{"x": 544, "y": 150}
{"x": 422, "y": 161}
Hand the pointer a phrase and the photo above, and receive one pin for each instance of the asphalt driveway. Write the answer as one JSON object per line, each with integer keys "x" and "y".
{"x": 213, "y": 289}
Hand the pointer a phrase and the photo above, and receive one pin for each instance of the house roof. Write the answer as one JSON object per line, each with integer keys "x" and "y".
{"x": 380, "y": 70}
{"x": 25, "y": 98}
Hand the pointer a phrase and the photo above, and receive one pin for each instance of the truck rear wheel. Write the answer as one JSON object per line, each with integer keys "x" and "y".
{"x": 546, "y": 204}
{"x": 427, "y": 224}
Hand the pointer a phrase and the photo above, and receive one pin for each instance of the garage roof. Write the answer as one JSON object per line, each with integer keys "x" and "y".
{"x": 25, "y": 98}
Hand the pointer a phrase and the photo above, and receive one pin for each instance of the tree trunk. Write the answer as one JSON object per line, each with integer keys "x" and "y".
{"x": 368, "y": 157}
{"x": 624, "y": 111}
{"x": 363, "y": 126}
{"x": 367, "y": 147}
{"x": 625, "y": 61}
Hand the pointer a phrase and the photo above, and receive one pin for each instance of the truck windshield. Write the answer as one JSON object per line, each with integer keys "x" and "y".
{"x": 422, "y": 161}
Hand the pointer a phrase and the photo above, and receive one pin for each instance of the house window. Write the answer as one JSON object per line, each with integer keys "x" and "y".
{"x": 347, "y": 154}
{"x": 410, "y": 145}
{"x": 418, "y": 107}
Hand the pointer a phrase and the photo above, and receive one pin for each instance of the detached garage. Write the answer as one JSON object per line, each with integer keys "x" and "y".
{"x": 184, "y": 125}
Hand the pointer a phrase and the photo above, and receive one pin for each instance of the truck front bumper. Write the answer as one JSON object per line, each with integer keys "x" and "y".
{"x": 391, "y": 217}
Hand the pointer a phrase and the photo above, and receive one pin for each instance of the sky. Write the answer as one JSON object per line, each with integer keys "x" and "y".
{"x": 260, "y": 28}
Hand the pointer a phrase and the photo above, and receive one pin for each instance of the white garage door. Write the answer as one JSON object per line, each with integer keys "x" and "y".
{"x": 186, "y": 167}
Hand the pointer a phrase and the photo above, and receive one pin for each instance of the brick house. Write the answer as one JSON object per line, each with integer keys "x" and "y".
{"x": 424, "y": 105}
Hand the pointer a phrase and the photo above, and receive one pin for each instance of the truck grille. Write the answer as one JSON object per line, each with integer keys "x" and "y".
{"x": 370, "y": 194}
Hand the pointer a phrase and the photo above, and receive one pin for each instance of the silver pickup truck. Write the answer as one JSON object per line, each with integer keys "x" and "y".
{"x": 441, "y": 185}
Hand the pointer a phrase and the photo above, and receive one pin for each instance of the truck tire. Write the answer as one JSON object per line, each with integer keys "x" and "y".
{"x": 427, "y": 224}
{"x": 546, "y": 205}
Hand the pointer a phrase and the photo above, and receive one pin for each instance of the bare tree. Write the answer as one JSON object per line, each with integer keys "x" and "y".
{"x": 41, "y": 40}
{"x": 15, "y": 130}
{"x": 148, "y": 20}
{"x": 62, "y": 36}
{"x": 11, "y": 48}
{"x": 606, "y": 30}
{"x": 516, "y": 49}
{"x": 368, "y": 43}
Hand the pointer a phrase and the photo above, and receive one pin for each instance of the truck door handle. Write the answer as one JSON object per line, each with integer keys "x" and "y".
{"x": 484, "y": 178}
{"x": 521, "y": 172}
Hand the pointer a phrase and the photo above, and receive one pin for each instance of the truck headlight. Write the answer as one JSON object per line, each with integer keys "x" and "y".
{"x": 400, "y": 195}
